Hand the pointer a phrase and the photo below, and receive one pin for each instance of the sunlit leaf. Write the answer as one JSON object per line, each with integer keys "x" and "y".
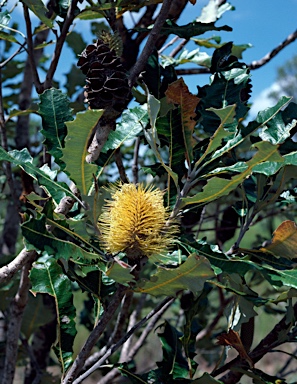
{"x": 76, "y": 149}
{"x": 217, "y": 187}
{"x": 213, "y": 11}
{"x": 7, "y": 37}
{"x": 195, "y": 57}
{"x": 132, "y": 123}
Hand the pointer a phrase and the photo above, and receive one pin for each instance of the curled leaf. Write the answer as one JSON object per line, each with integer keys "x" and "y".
{"x": 232, "y": 339}
{"x": 284, "y": 242}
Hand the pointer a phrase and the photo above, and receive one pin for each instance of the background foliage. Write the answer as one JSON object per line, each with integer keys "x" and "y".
{"x": 70, "y": 312}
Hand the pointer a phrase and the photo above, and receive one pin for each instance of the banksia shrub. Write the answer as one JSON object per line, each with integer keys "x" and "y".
{"x": 134, "y": 222}
{"x": 107, "y": 83}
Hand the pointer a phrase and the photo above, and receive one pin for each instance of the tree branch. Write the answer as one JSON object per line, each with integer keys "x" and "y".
{"x": 8, "y": 271}
{"x": 14, "y": 321}
{"x": 78, "y": 364}
{"x": 150, "y": 44}
{"x": 259, "y": 63}
{"x": 31, "y": 55}
{"x": 113, "y": 348}
{"x": 59, "y": 45}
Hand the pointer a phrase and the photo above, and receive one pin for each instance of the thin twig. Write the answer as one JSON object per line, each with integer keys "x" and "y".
{"x": 177, "y": 49}
{"x": 120, "y": 165}
{"x": 171, "y": 42}
{"x": 31, "y": 55}
{"x": 122, "y": 318}
{"x": 151, "y": 325}
{"x": 116, "y": 346}
{"x": 60, "y": 43}
{"x": 16, "y": 311}
{"x": 150, "y": 44}
{"x": 78, "y": 364}
{"x": 132, "y": 321}
{"x": 12, "y": 56}
{"x": 259, "y": 63}
{"x": 135, "y": 160}
{"x": 4, "y": 144}
{"x": 129, "y": 352}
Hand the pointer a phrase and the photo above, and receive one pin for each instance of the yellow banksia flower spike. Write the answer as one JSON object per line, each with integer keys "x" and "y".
{"x": 134, "y": 221}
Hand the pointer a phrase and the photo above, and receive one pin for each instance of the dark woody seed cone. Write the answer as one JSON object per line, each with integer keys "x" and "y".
{"x": 107, "y": 83}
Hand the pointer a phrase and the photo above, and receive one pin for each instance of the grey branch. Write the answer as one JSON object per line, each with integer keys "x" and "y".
{"x": 166, "y": 302}
{"x": 150, "y": 44}
{"x": 14, "y": 321}
{"x": 259, "y": 63}
{"x": 8, "y": 271}
{"x": 79, "y": 362}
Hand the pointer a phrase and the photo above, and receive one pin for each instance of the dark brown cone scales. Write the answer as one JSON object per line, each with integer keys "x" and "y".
{"x": 107, "y": 83}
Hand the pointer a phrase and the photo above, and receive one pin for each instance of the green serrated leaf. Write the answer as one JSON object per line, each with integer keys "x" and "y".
{"x": 35, "y": 315}
{"x": 54, "y": 110}
{"x": 35, "y": 233}
{"x": 4, "y": 18}
{"x": 48, "y": 277}
{"x": 190, "y": 275}
{"x": 213, "y": 11}
{"x": 173, "y": 363}
{"x": 132, "y": 123}
{"x": 119, "y": 274}
{"x": 217, "y": 187}
{"x": 38, "y": 8}
{"x": 191, "y": 29}
{"x": 226, "y": 116}
{"x": 24, "y": 160}
{"x": 195, "y": 57}
{"x": 76, "y": 149}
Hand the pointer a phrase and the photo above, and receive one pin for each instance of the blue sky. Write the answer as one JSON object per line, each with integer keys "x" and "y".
{"x": 262, "y": 23}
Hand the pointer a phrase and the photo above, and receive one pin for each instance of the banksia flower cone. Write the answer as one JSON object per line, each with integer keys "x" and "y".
{"x": 107, "y": 83}
{"x": 134, "y": 220}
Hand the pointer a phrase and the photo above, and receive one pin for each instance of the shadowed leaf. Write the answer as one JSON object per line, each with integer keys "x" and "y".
{"x": 178, "y": 93}
{"x": 54, "y": 110}
{"x": 191, "y": 275}
{"x": 48, "y": 277}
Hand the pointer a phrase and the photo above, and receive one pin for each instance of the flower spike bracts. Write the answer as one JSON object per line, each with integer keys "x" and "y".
{"x": 134, "y": 222}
